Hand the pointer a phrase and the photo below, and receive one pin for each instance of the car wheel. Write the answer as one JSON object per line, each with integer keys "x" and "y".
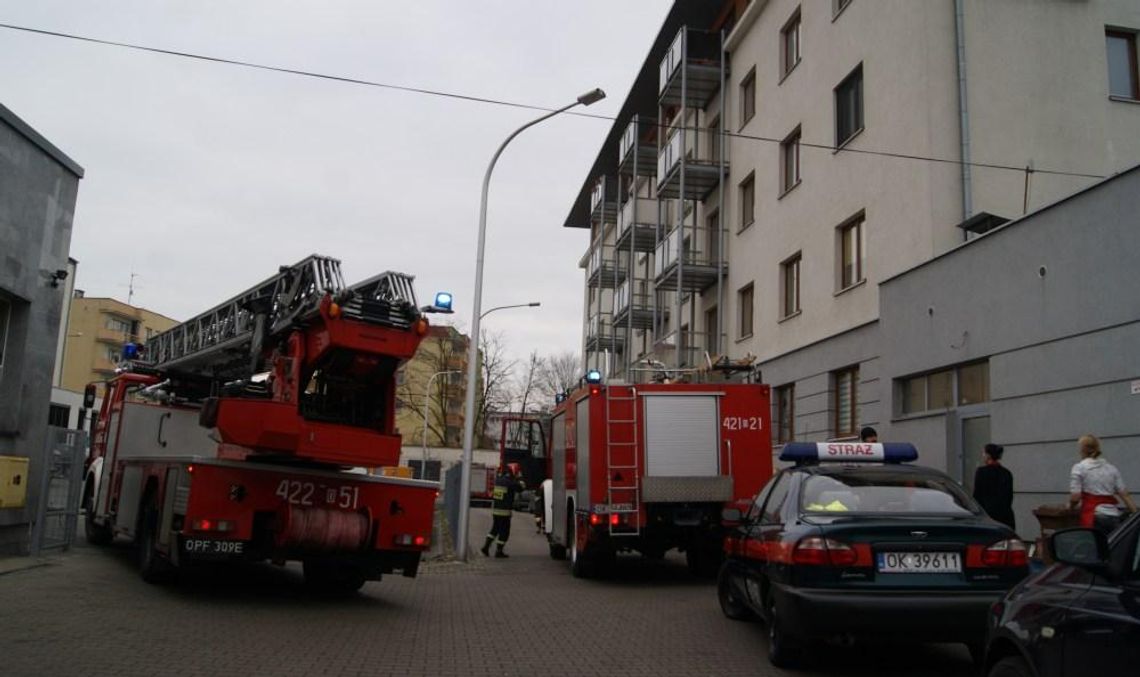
{"x": 153, "y": 567}
{"x": 730, "y": 603}
{"x": 1010, "y": 666}
{"x": 782, "y": 649}
{"x": 579, "y": 567}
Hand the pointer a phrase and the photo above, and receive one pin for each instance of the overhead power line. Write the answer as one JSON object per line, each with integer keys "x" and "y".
{"x": 516, "y": 104}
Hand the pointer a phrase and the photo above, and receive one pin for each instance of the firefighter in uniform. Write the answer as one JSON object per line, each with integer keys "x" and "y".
{"x": 506, "y": 486}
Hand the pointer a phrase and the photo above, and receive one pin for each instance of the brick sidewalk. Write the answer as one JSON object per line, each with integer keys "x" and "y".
{"x": 90, "y": 614}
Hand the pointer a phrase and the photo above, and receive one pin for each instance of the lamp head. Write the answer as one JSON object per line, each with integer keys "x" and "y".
{"x": 592, "y": 96}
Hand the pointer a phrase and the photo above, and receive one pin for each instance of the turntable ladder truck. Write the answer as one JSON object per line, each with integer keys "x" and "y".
{"x": 249, "y": 433}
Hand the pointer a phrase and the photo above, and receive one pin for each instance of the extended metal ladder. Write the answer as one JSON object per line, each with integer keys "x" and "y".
{"x": 621, "y": 437}
{"x": 224, "y": 341}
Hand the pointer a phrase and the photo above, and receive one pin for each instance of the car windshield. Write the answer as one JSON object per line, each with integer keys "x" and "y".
{"x": 884, "y": 493}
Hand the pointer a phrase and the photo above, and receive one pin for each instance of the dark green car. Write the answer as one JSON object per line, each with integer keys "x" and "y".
{"x": 855, "y": 543}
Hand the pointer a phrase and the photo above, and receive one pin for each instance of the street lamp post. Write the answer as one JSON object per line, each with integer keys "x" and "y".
{"x": 532, "y": 304}
{"x": 586, "y": 99}
{"x": 427, "y": 402}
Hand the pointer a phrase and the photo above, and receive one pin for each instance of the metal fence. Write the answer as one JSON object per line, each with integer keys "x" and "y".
{"x": 57, "y": 513}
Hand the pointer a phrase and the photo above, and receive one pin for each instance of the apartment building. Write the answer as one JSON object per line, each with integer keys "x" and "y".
{"x": 97, "y": 330}
{"x": 432, "y": 383}
{"x": 775, "y": 161}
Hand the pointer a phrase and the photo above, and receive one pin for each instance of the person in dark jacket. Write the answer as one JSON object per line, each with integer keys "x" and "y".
{"x": 993, "y": 486}
{"x": 503, "y": 497}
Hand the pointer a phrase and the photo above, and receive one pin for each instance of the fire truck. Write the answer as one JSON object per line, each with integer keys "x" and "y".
{"x": 650, "y": 467}
{"x": 251, "y": 432}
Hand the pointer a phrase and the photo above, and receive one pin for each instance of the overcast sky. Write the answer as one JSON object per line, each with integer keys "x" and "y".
{"x": 203, "y": 178}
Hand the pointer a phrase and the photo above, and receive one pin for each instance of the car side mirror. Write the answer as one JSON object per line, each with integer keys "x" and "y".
{"x": 1081, "y": 547}
{"x": 89, "y": 396}
{"x": 731, "y": 516}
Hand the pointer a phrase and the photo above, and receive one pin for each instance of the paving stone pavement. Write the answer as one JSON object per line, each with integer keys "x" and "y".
{"x": 88, "y": 613}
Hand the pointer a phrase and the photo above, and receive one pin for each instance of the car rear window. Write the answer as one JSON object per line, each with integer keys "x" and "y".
{"x": 884, "y": 493}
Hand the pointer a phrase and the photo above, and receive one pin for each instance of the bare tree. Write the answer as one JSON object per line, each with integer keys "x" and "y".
{"x": 526, "y": 387}
{"x": 495, "y": 371}
{"x": 559, "y": 372}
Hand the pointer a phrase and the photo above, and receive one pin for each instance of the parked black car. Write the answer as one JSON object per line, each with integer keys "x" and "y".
{"x": 1081, "y": 616}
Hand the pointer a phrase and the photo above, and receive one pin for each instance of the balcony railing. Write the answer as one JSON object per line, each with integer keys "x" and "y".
{"x": 606, "y": 267}
{"x": 633, "y": 305}
{"x": 602, "y": 334}
{"x": 696, "y": 349}
{"x": 699, "y": 164}
{"x": 688, "y": 258}
{"x": 637, "y": 219}
{"x": 603, "y": 200}
{"x": 691, "y": 70}
{"x": 637, "y": 148}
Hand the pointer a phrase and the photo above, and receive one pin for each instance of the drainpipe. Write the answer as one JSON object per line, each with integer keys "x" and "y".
{"x": 963, "y": 110}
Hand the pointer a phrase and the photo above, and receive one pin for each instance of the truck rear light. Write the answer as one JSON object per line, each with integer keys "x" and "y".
{"x": 615, "y": 519}
{"x": 816, "y": 551}
{"x": 408, "y": 540}
{"x": 211, "y": 525}
{"x": 1008, "y": 553}
{"x": 595, "y": 519}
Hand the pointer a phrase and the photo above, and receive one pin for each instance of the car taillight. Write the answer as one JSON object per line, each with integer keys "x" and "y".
{"x": 1008, "y": 553}
{"x": 816, "y": 551}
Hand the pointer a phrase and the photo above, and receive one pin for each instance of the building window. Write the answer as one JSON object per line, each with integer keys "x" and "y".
{"x": 713, "y": 237}
{"x": 748, "y": 97}
{"x": 117, "y": 324}
{"x": 790, "y": 43}
{"x": 744, "y": 301}
{"x": 838, "y": 6}
{"x": 790, "y": 161}
{"x": 790, "y": 286}
{"x": 852, "y": 246}
{"x": 5, "y": 314}
{"x": 1123, "y": 79}
{"x": 849, "y": 106}
{"x": 711, "y": 331}
{"x": 785, "y": 413}
{"x": 748, "y": 201}
{"x": 845, "y": 401}
{"x": 59, "y": 415}
{"x": 938, "y": 390}
{"x": 112, "y": 354}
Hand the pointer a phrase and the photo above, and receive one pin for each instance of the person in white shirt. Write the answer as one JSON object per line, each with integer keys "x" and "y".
{"x": 1095, "y": 482}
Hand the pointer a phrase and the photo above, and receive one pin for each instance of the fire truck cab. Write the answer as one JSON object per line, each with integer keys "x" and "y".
{"x": 650, "y": 467}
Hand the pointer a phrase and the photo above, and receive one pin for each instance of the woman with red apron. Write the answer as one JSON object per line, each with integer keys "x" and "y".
{"x": 1094, "y": 481}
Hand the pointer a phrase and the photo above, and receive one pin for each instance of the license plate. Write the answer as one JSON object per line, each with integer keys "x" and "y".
{"x": 919, "y": 562}
{"x": 202, "y": 546}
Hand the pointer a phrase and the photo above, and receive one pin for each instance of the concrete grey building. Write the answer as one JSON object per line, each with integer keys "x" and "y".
{"x": 1028, "y": 336}
{"x": 38, "y": 186}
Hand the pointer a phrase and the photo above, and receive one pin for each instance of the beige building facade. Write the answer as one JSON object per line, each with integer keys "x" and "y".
{"x": 97, "y": 330}
{"x": 432, "y": 383}
{"x": 829, "y": 145}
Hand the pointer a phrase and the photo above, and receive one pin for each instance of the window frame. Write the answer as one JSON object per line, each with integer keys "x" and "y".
{"x": 792, "y": 264}
{"x": 750, "y": 290}
{"x": 1129, "y": 36}
{"x": 859, "y": 125}
{"x": 748, "y": 97}
{"x": 859, "y": 264}
{"x": 747, "y": 187}
{"x": 853, "y": 395}
{"x": 712, "y": 343}
{"x": 791, "y": 43}
{"x": 790, "y": 161}
{"x": 783, "y": 482}
{"x": 837, "y": 7}
{"x": 5, "y": 324}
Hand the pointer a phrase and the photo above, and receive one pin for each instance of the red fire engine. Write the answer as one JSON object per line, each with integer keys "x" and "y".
{"x": 650, "y": 467}
{"x": 247, "y": 431}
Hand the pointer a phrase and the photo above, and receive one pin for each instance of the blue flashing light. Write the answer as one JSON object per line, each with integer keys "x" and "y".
{"x": 848, "y": 452}
{"x": 593, "y": 376}
{"x": 559, "y": 398}
{"x": 443, "y": 300}
{"x": 132, "y": 351}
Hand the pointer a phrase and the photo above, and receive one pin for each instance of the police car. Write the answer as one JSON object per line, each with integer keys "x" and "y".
{"x": 853, "y": 543}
